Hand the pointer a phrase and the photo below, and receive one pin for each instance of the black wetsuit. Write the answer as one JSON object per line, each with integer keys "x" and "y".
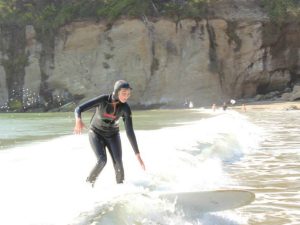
{"x": 104, "y": 132}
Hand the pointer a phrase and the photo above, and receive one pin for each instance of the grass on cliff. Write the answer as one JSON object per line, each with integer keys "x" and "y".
{"x": 51, "y": 14}
{"x": 56, "y": 13}
{"x": 281, "y": 11}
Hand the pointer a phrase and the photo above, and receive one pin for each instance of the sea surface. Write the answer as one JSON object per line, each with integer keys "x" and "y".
{"x": 43, "y": 168}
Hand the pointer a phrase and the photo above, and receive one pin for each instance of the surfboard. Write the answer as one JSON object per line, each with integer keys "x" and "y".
{"x": 209, "y": 201}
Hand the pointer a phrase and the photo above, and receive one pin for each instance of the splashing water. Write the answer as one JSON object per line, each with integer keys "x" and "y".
{"x": 43, "y": 182}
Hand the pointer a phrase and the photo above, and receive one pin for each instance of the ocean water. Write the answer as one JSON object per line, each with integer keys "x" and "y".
{"x": 43, "y": 168}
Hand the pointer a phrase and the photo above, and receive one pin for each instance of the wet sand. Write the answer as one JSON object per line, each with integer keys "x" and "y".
{"x": 268, "y": 105}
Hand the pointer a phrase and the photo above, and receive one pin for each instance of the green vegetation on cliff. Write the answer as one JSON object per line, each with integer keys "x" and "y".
{"x": 281, "y": 11}
{"x": 51, "y": 14}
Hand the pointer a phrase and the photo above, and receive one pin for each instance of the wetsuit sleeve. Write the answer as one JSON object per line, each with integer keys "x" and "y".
{"x": 129, "y": 130}
{"x": 86, "y": 106}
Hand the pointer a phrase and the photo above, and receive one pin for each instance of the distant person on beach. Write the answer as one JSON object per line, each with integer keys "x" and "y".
{"x": 104, "y": 129}
{"x": 224, "y": 106}
{"x": 214, "y": 107}
{"x": 186, "y": 103}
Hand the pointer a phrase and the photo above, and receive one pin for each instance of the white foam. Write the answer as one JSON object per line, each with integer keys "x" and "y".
{"x": 44, "y": 183}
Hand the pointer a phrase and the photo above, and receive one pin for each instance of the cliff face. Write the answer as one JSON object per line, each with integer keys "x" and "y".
{"x": 237, "y": 54}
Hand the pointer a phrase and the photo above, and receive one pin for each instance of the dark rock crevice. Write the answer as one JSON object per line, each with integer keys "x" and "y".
{"x": 46, "y": 62}
{"x": 14, "y": 60}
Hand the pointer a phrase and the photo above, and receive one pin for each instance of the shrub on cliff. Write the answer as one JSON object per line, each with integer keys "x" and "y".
{"x": 282, "y": 10}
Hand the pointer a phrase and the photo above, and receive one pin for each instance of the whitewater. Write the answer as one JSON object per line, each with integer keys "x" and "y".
{"x": 43, "y": 180}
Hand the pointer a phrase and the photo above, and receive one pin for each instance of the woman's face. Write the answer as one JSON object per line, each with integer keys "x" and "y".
{"x": 124, "y": 94}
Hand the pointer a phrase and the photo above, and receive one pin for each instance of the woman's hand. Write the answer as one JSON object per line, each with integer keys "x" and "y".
{"x": 79, "y": 125}
{"x": 140, "y": 161}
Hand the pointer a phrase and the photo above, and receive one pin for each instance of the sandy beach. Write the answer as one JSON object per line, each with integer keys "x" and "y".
{"x": 268, "y": 105}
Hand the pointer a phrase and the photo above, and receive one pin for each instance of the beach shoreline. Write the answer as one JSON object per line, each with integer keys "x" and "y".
{"x": 267, "y": 105}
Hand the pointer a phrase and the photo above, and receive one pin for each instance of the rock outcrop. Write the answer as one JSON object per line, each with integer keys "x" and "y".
{"x": 237, "y": 53}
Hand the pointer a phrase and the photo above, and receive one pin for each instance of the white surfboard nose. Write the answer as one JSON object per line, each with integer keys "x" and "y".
{"x": 210, "y": 201}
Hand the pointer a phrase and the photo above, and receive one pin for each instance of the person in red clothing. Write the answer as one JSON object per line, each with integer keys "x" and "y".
{"x": 104, "y": 129}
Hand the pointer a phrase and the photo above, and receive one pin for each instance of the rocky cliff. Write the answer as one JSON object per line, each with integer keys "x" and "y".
{"x": 234, "y": 53}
